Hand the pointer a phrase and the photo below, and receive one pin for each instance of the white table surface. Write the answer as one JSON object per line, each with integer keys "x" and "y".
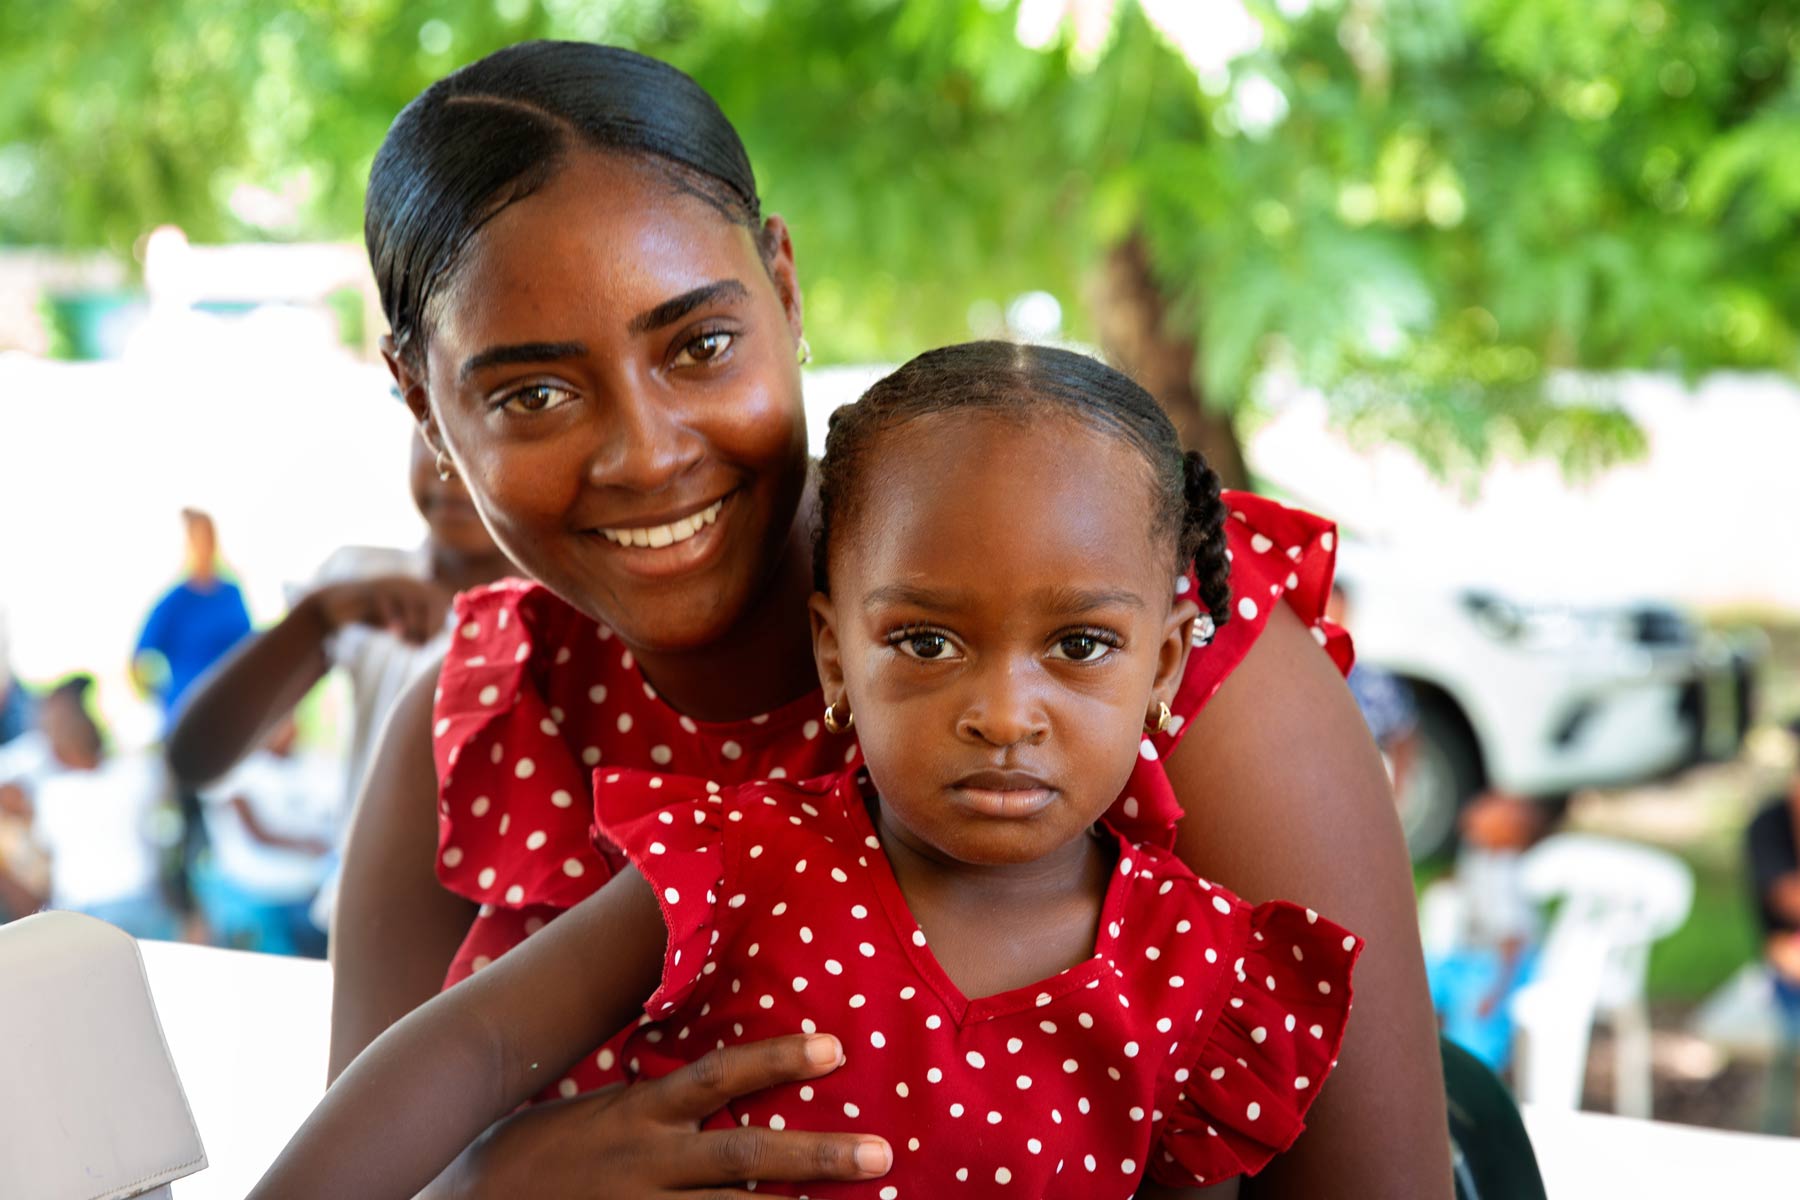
{"x": 248, "y": 1035}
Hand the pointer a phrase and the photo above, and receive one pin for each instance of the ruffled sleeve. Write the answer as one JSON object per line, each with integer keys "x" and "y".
{"x": 513, "y": 817}
{"x": 1243, "y": 1092}
{"x": 682, "y": 852}
{"x": 1277, "y": 554}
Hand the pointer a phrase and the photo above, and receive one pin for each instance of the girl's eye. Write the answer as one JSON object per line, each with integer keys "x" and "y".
{"x": 708, "y": 347}
{"x": 926, "y": 645}
{"x": 1081, "y": 647}
{"x": 539, "y": 397}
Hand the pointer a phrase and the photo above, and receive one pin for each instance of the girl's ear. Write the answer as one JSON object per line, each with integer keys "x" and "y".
{"x": 1172, "y": 654}
{"x": 413, "y": 394}
{"x": 825, "y": 647}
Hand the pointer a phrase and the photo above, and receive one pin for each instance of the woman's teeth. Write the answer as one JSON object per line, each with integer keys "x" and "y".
{"x": 658, "y": 536}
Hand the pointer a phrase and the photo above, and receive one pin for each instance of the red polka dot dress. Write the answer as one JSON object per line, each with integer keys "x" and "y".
{"x": 1186, "y": 1048}
{"x": 534, "y": 695}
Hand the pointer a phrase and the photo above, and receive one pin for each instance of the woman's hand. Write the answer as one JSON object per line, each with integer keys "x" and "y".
{"x": 645, "y": 1140}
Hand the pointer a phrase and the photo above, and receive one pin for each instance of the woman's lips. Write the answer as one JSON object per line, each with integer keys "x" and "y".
{"x": 671, "y": 548}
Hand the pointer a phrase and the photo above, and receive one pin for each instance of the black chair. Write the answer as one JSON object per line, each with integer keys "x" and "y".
{"x": 1489, "y": 1148}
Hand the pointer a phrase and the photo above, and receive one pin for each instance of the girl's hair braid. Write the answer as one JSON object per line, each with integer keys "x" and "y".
{"x": 1022, "y": 380}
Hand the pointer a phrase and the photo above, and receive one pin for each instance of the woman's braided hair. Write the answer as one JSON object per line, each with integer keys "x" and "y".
{"x": 1023, "y": 380}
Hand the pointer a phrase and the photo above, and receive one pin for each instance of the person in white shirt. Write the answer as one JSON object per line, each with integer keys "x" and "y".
{"x": 377, "y": 614}
{"x": 92, "y": 817}
{"x": 272, "y": 824}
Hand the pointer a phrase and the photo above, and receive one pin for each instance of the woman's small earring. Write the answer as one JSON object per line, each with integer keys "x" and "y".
{"x": 1163, "y": 718}
{"x": 803, "y": 352}
{"x": 443, "y": 466}
{"x": 836, "y": 723}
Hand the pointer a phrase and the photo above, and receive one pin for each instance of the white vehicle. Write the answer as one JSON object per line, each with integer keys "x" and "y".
{"x": 1538, "y": 697}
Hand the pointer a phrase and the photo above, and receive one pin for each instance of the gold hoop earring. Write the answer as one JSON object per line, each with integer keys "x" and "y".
{"x": 836, "y": 723}
{"x": 1163, "y": 717}
{"x": 443, "y": 466}
{"x": 803, "y": 352}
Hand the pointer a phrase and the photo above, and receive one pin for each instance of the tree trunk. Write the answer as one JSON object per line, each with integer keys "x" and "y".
{"x": 1132, "y": 319}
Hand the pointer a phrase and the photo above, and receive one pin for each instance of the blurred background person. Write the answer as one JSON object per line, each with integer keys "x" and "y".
{"x": 192, "y": 626}
{"x": 18, "y": 712}
{"x": 92, "y": 813}
{"x": 1385, "y": 700}
{"x": 271, "y": 827}
{"x": 1482, "y": 929}
{"x": 1773, "y": 845}
{"x": 377, "y": 614}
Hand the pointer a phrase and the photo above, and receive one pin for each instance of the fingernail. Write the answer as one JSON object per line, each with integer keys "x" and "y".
{"x": 873, "y": 1158}
{"x": 823, "y": 1051}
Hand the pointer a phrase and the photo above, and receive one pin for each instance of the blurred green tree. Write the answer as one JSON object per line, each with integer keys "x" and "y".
{"x": 1437, "y": 212}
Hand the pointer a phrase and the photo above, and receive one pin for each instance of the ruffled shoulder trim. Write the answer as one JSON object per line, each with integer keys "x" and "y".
{"x": 513, "y": 817}
{"x": 681, "y": 850}
{"x": 1277, "y": 553}
{"x": 1255, "y": 1068}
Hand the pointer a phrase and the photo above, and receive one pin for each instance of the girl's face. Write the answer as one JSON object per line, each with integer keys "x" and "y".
{"x": 612, "y": 370}
{"x": 1002, "y": 624}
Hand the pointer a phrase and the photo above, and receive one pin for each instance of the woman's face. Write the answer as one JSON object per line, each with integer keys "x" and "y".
{"x": 612, "y": 370}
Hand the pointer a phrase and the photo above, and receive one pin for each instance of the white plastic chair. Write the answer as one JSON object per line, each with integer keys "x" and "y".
{"x": 1618, "y": 898}
{"x": 90, "y": 1106}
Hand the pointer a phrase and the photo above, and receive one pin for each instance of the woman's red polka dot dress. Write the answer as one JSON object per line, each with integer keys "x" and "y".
{"x": 1186, "y": 1048}
{"x": 534, "y": 695}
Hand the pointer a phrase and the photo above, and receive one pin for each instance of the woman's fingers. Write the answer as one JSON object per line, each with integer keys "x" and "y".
{"x": 704, "y": 1086}
{"x": 747, "y": 1153}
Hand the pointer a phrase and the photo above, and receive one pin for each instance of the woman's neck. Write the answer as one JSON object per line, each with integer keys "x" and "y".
{"x": 762, "y": 662}
{"x": 460, "y": 572}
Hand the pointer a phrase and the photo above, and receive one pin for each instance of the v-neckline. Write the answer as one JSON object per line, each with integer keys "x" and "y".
{"x": 911, "y": 939}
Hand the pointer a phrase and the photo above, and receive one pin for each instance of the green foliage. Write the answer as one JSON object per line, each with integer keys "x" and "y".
{"x": 1427, "y": 207}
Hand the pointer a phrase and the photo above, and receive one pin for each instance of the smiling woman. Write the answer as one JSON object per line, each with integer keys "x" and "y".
{"x": 600, "y": 332}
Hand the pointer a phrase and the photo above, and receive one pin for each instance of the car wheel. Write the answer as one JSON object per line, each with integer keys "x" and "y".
{"x": 1445, "y": 774}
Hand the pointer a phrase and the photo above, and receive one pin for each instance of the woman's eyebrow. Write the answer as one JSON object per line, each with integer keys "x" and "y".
{"x": 523, "y": 352}
{"x": 670, "y": 311}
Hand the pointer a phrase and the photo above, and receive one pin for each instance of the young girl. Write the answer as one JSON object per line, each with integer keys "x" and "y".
{"x": 1026, "y": 1004}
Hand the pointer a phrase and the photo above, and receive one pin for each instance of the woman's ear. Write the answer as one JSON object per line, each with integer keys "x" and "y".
{"x": 778, "y": 252}
{"x": 411, "y": 386}
{"x": 825, "y": 647}
{"x": 1172, "y": 654}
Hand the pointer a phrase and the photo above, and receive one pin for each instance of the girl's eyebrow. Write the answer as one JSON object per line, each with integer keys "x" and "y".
{"x": 670, "y": 311}
{"x": 1060, "y": 601}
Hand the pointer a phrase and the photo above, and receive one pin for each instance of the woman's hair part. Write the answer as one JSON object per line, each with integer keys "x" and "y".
{"x": 1019, "y": 380}
{"x": 497, "y": 130}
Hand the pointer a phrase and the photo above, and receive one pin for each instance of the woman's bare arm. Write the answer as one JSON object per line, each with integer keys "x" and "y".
{"x": 428, "y": 1086}
{"x": 1285, "y": 797}
{"x": 395, "y": 928}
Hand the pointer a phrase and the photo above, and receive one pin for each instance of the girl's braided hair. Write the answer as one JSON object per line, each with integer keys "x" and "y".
{"x": 1020, "y": 380}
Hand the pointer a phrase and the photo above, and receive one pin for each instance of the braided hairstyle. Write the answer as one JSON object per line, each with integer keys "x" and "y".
{"x": 1021, "y": 381}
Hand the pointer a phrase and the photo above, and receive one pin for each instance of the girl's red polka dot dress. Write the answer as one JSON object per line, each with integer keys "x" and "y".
{"x": 534, "y": 695}
{"x": 1186, "y": 1048}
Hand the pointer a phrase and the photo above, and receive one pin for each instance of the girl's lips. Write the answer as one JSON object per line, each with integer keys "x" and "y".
{"x": 1004, "y": 802}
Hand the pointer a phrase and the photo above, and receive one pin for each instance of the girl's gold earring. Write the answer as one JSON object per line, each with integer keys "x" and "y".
{"x": 836, "y": 723}
{"x": 803, "y": 352}
{"x": 1163, "y": 717}
{"x": 443, "y": 466}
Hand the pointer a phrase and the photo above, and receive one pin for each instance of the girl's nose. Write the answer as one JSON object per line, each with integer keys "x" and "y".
{"x": 1005, "y": 710}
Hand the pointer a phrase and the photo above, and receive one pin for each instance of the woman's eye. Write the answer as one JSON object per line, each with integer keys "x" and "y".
{"x": 537, "y": 398}
{"x": 704, "y": 349}
{"x": 1081, "y": 647}
{"x": 928, "y": 646}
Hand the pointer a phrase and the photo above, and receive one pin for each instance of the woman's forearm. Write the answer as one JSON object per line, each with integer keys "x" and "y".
{"x": 1285, "y": 797}
{"x": 229, "y": 712}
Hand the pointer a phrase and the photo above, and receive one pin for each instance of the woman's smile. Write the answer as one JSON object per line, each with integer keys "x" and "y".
{"x": 663, "y": 547}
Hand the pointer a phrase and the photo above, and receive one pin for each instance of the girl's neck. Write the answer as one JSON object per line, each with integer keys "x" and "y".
{"x": 762, "y": 662}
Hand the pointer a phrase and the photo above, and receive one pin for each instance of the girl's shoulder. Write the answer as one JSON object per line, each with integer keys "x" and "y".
{"x": 1247, "y": 1002}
